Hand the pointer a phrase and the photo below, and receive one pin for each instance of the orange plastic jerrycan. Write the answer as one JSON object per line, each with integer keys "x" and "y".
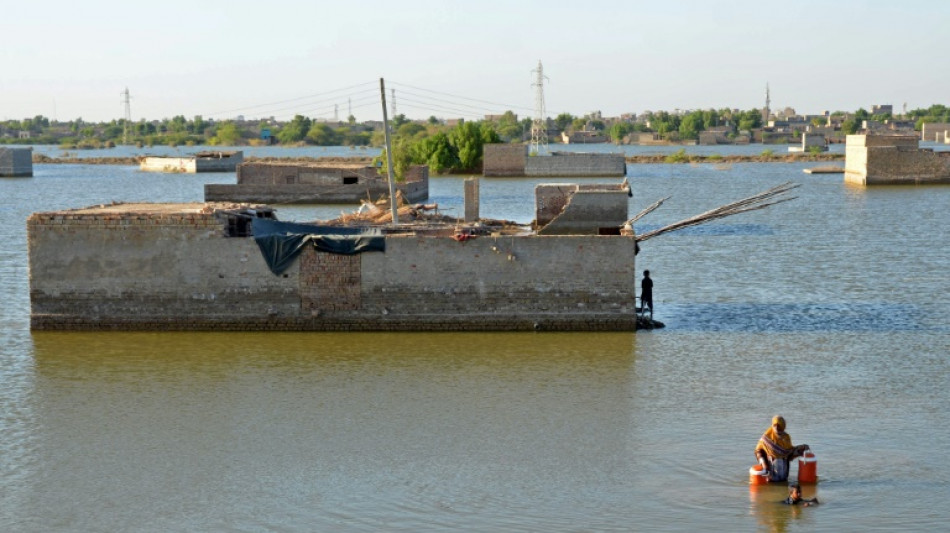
{"x": 758, "y": 475}
{"x": 808, "y": 468}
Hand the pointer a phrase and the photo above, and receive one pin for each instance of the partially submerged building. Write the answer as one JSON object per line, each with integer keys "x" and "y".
{"x": 219, "y": 266}
{"x": 316, "y": 183}
{"x": 893, "y": 160}
{"x": 811, "y": 142}
{"x": 935, "y": 132}
{"x": 571, "y": 209}
{"x": 190, "y": 164}
{"x": 16, "y": 162}
{"x": 513, "y": 160}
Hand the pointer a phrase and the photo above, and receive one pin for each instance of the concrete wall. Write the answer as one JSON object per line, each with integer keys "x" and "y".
{"x": 283, "y": 183}
{"x": 504, "y": 160}
{"x": 305, "y": 174}
{"x": 218, "y": 161}
{"x": 184, "y": 165}
{"x": 16, "y": 162}
{"x": 569, "y": 209}
{"x": 893, "y": 160}
{"x": 202, "y": 162}
{"x": 576, "y": 165}
{"x": 155, "y": 267}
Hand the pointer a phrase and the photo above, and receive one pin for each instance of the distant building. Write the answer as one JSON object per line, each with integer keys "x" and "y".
{"x": 583, "y": 137}
{"x": 882, "y": 109}
{"x": 934, "y": 131}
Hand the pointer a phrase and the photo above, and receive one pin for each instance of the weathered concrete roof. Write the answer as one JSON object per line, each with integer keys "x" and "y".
{"x": 145, "y": 208}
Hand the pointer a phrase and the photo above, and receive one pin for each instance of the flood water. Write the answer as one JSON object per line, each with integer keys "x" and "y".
{"x": 831, "y": 309}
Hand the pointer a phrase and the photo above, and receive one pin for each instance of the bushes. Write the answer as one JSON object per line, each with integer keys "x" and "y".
{"x": 677, "y": 157}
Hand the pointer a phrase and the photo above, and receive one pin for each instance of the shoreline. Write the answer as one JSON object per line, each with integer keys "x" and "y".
{"x": 672, "y": 159}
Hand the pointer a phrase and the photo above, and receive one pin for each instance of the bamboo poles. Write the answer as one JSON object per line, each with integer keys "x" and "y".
{"x": 758, "y": 201}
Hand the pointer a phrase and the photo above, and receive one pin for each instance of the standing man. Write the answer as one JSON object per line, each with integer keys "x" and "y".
{"x": 646, "y": 292}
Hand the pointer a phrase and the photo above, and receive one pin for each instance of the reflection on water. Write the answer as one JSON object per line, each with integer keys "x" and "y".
{"x": 374, "y": 427}
{"x": 773, "y": 516}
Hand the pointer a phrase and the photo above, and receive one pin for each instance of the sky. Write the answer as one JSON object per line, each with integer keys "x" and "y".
{"x": 220, "y": 59}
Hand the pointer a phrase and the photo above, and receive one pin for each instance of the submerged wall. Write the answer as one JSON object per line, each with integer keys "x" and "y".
{"x": 16, "y": 162}
{"x": 893, "y": 160}
{"x": 173, "y": 267}
{"x": 200, "y": 162}
{"x": 576, "y": 164}
{"x": 512, "y": 160}
{"x": 288, "y": 183}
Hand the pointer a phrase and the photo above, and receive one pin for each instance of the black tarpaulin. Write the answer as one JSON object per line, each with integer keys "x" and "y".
{"x": 281, "y": 242}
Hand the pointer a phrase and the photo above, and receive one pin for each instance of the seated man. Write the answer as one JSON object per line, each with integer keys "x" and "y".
{"x": 775, "y": 451}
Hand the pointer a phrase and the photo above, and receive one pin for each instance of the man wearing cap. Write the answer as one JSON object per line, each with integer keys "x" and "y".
{"x": 775, "y": 451}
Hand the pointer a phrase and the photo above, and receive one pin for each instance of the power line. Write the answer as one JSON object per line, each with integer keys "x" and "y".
{"x": 480, "y": 109}
{"x": 444, "y": 108}
{"x": 279, "y": 102}
{"x": 509, "y": 106}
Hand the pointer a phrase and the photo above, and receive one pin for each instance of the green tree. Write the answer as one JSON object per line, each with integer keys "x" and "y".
{"x": 410, "y": 129}
{"x": 435, "y": 151}
{"x": 198, "y": 125}
{"x": 849, "y": 126}
{"x": 508, "y": 126}
{"x": 563, "y": 120}
{"x": 467, "y": 140}
{"x": 227, "y": 134}
{"x": 323, "y": 135}
{"x": 691, "y": 125}
{"x": 178, "y": 124}
{"x": 295, "y": 131}
{"x": 398, "y": 120}
{"x": 618, "y": 131}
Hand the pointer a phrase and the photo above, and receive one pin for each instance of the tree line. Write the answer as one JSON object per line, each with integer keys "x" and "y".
{"x": 440, "y": 149}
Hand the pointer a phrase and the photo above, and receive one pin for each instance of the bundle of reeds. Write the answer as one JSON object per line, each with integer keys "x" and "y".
{"x": 758, "y": 201}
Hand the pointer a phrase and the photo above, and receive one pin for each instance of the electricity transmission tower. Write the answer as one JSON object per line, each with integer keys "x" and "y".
{"x": 128, "y": 115}
{"x": 539, "y": 130}
{"x": 394, "y": 102}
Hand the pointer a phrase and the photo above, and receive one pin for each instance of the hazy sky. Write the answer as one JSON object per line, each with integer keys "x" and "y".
{"x": 66, "y": 59}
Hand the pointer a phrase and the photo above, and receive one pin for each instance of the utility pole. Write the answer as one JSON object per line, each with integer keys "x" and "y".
{"x": 336, "y": 112}
{"x": 389, "y": 152}
{"x": 539, "y": 130}
{"x": 349, "y": 108}
{"x": 394, "y": 102}
{"x": 128, "y": 116}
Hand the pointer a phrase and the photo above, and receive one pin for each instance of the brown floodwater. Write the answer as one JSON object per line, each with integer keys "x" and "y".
{"x": 830, "y": 310}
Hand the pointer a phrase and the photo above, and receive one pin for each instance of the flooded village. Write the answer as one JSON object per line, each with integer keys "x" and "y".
{"x": 210, "y": 266}
{"x": 356, "y": 338}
